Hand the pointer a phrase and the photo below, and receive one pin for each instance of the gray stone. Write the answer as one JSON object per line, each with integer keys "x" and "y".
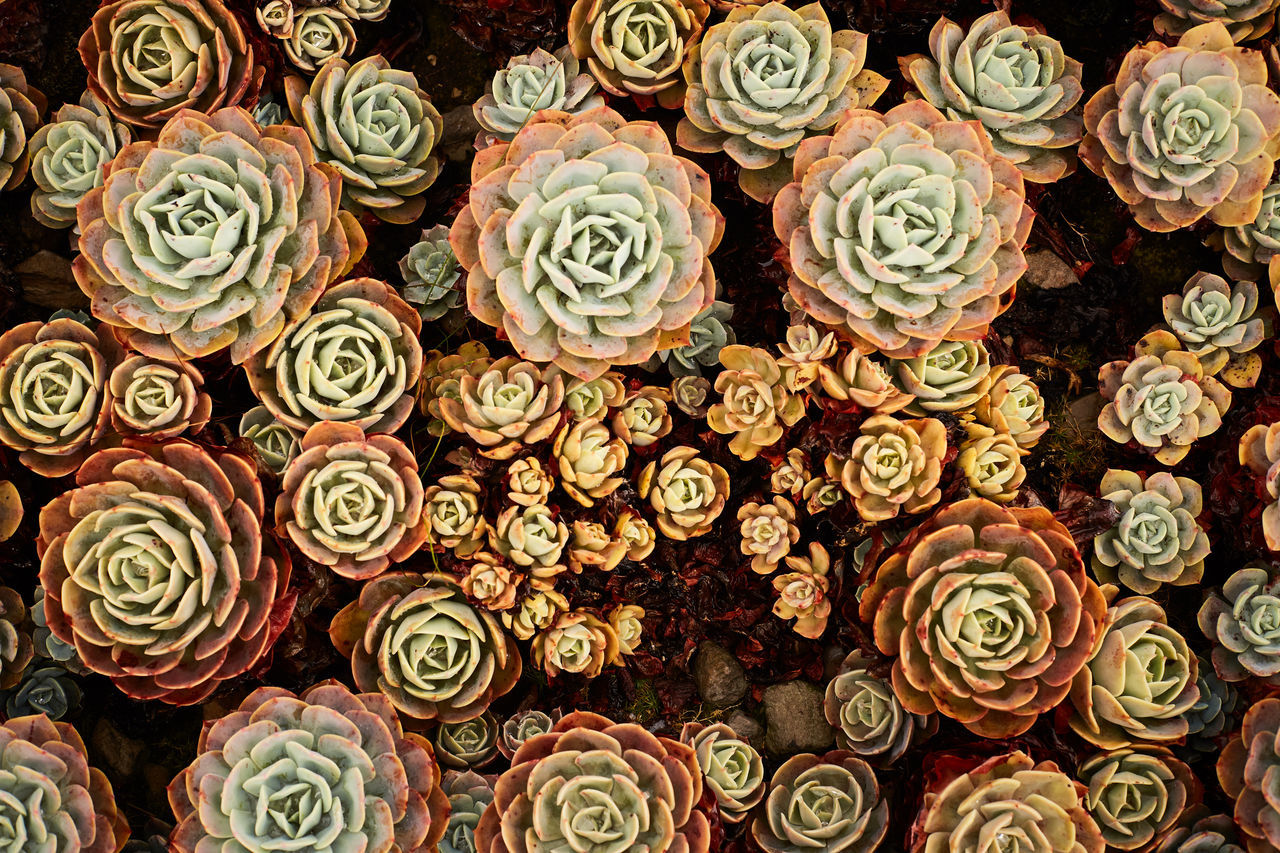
{"x": 1084, "y": 413}
{"x": 47, "y": 281}
{"x": 720, "y": 678}
{"x": 745, "y": 726}
{"x": 795, "y": 721}
{"x": 1046, "y": 270}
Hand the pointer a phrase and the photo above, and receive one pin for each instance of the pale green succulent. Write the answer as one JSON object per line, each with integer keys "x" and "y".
{"x": 1247, "y": 249}
{"x": 1243, "y": 623}
{"x": 529, "y": 536}
{"x": 709, "y": 333}
{"x": 276, "y": 443}
{"x": 1157, "y": 539}
{"x": 830, "y": 802}
{"x": 1244, "y": 19}
{"x": 21, "y": 106}
{"x": 432, "y": 276}
{"x": 533, "y": 82}
{"x": 520, "y": 727}
{"x": 319, "y": 34}
{"x": 469, "y": 795}
{"x": 867, "y": 716}
{"x": 467, "y": 744}
{"x": 67, "y": 158}
{"x": 365, "y": 10}
{"x": 1136, "y": 796}
{"x": 1215, "y": 321}
{"x": 951, "y": 377}
{"x": 731, "y": 766}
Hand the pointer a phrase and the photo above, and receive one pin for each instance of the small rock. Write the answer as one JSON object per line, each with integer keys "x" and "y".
{"x": 1084, "y": 412}
{"x": 120, "y": 752}
{"x": 460, "y": 129}
{"x": 720, "y": 678}
{"x": 745, "y": 726}
{"x": 1046, "y": 270}
{"x": 795, "y": 719}
{"x": 47, "y": 281}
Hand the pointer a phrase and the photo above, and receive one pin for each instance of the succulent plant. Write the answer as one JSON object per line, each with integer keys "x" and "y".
{"x": 1013, "y": 80}
{"x": 690, "y": 394}
{"x": 376, "y": 126}
{"x": 636, "y": 533}
{"x": 1200, "y": 832}
{"x": 1012, "y": 405}
{"x": 591, "y": 461}
{"x": 686, "y": 491}
{"x": 803, "y": 592}
{"x": 1212, "y": 713}
{"x": 766, "y": 78}
{"x": 1161, "y": 399}
{"x": 1136, "y": 796}
{"x": 829, "y": 802}
{"x": 48, "y": 690}
{"x": 54, "y": 800}
{"x": 919, "y": 272}
{"x": 862, "y": 380}
{"x": 352, "y": 502}
{"x": 644, "y": 418}
{"x": 55, "y": 399}
{"x": 530, "y": 537}
{"x": 16, "y": 649}
{"x": 636, "y": 47}
{"x": 275, "y": 17}
{"x": 1157, "y": 539}
{"x": 868, "y": 718}
{"x": 535, "y": 612}
{"x": 1185, "y": 132}
{"x": 637, "y": 791}
{"x": 528, "y": 482}
{"x": 148, "y": 60}
{"x": 625, "y": 622}
{"x": 1029, "y": 806}
{"x": 790, "y": 473}
{"x": 432, "y": 276}
{"x": 599, "y": 299}
{"x": 1218, "y": 324}
{"x": 822, "y": 493}
{"x": 894, "y": 465}
{"x": 988, "y": 614}
{"x": 709, "y": 333}
{"x": 21, "y": 106}
{"x": 593, "y": 398}
{"x": 592, "y": 546}
{"x": 354, "y": 358}
{"x": 441, "y": 377}
{"x": 1244, "y": 19}
{"x": 326, "y": 770}
{"x": 469, "y": 795}
{"x": 1243, "y": 624}
{"x": 522, "y": 726}
{"x": 491, "y": 583}
{"x": 731, "y": 768}
{"x": 69, "y": 156}
{"x": 468, "y": 744}
{"x": 756, "y": 406}
{"x": 417, "y": 640}
{"x": 365, "y": 10}
{"x": 49, "y": 646}
{"x": 528, "y": 84}
{"x": 1139, "y": 682}
{"x": 260, "y": 235}
{"x": 511, "y": 404}
{"x": 992, "y": 467}
{"x": 951, "y": 377}
{"x": 275, "y": 443}
{"x": 768, "y": 532}
{"x": 11, "y": 511}
{"x": 453, "y": 513}
{"x": 158, "y": 399}
{"x": 1247, "y": 249}
{"x": 194, "y": 587}
{"x": 1246, "y": 769}
{"x": 576, "y": 642}
{"x": 1259, "y": 451}
{"x": 319, "y": 34}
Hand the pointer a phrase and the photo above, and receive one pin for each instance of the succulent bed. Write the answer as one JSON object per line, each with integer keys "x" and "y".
{"x": 531, "y": 426}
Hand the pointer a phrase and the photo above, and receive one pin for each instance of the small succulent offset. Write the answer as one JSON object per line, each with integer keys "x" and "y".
{"x": 530, "y": 83}
{"x": 432, "y": 276}
{"x": 520, "y": 727}
{"x": 804, "y": 353}
{"x": 1248, "y": 250}
{"x": 1015, "y": 81}
{"x": 1259, "y": 451}
{"x": 591, "y": 461}
{"x": 16, "y": 648}
{"x": 1219, "y": 324}
{"x": 593, "y": 398}
{"x": 69, "y": 156}
{"x": 469, "y": 795}
{"x": 865, "y": 382}
{"x": 1157, "y": 539}
{"x": 467, "y": 744}
{"x": 1212, "y": 713}
{"x": 275, "y": 443}
{"x": 453, "y": 513}
{"x": 763, "y": 80}
{"x": 509, "y": 405}
{"x": 644, "y": 418}
{"x": 803, "y": 591}
{"x": 275, "y": 17}
{"x": 709, "y": 333}
{"x": 768, "y": 532}
{"x": 627, "y": 284}
{"x": 535, "y": 612}
{"x": 868, "y": 718}
{"x": 1202, "y": 832}
{"x": 158, "y": 399}
{"x": 1245, "y": 19}
{"x": 1246, "y": 770}
{"x": 490, "y": 583}
{"x": 904, "y": 229}
{"x": 730, "y": 766}
{"x": 625, "y": 620}
{"x": 951, "y": 377}
{"x": 531, "y": 537}
{"x": 325, "y": 770}
{"x": 755, "y": 406}
{"x": 21, "y": 106}
{"x": 1136, "y": 795}
{"x": 48, "y": 690}
{"x": 594, "y": 548}
{"x": 686, "y": 491}
{"x": 1243, "y": 623}
{"x": 1012, "y": 405}
{"x": 822, "y": 802}
{"x": 319, "y": 34}
{"x": 992, "y": 467}
{"x": 894, "y": 466}
{"x": 576, "y": 642}
{"x": 1186, "y": 131}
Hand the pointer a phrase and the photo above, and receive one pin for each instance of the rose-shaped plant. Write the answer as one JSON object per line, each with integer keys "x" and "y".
{"x": 790, "y": 473}
{"x": 1218, "y": 323}
{"x": 354, "y": 358}
{"x": 992, "y": 467}
{"x": 686, "y": 491}
{"x": 829, "y": 802}
{"x": 1201, "y": 832}
{"x": 530, "y": 537}
{"x": 951, "y": 377}
{"x": 156, "y": 567}
{"x": 528, "y": 482}
{"x": 572, "y": 286}
{"x": 1157, "y": 539}
{"x": 636, "y": 533}
{"x": 592, "y": 547}
{"x": 1186, "y": 132}
{"x": 1244, "y": 19}
{"x": 69, "y": 157}
{"x": 803, "y": 592}
{"x": 988, "y": 613}
{"x": 509, "y": 405}
{"x": 319, "y": 34}
{"x": 804, "y": 354}
{"x": 432, "y": 276}
{"x": 1212, "y": 712}
{"x": 763, "y": 80}
{"x": 1247, "y": 250}
{"x": 158, "y": 399}
{"x": 643, "y": 418}
{"x": 1012, "y": 405}
{"x": 213, "y": 236}
{"x": 275, "y": 443}
{"x": 868, "y": 718}
{"x": 822, "y": 493}
{"x": 535, "y": 612}
{"x": 1015, "y": 81}
{"x": 592, "y": 784}
{"x": 768, "y": 532}
{"x": 731, "y": 768}
{"x": 862, "y": 380}
{"x": 709, "y": 333}
{"x": 894, "y": 465}
{"x": 756, "y": 406}
{"x": 48, "y": 690}
{"x": 417, "y": 640}
{"x": 1135, "y": 796}
{"x": 1247, "y": 769}
{"x": 576, "y": 642}
{"x": 326, "y": 770}
{"x": 275, "y": 17}
{"x": 904, "y": 229}
{"x": 528, "y": 84}
{"x": 1259, "y": 451}
{"x": 522, "y": 726}
{"x": 441, "y": 377}
{"x": 452, "y": 510}
{"x": 16, "y": 649}
{"x": 591, "y": 461}
{"x": 21, "y": 106}
{"x": 365, "y": 10}
{"x": 593, "y": 398}
{"x": 491, "y": 583}
{"x": 625, "y": 622}
{"x": 469, "y": 795}
{"x": 468, "y": 744}
{"x": 376, "y": 126}
{"x": 1243, "y": 623}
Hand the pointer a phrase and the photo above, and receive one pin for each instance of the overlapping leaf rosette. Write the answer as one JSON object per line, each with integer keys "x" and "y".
{"x": 1157, "y": 539}
{"x": 21, "y": 106}
{"x": 709, "y": 333}
{"x": 158, "y": 399}
{"x": 1243, "y": 623}
{"x": 953, "y": 376}
{"x": 432, "y": 276}
{"x": 687, "y": 492}
{"x": 467, "y": 744}
{"x": 1244, "y": 19}
{"x": 586, "y": 241}
{"x": 1247, "y": 770}
{"x": 157, "y": 569}
{"x": 988, "y": 613}
{"x": 1186, "y": 132}
{"x": 275, "y": 443}
{"x": 212, "y": 237}
{"x": 826, "y": 802}
{"x": 69, "y": 156}
{"x": 325, "y": 770}
{"x": 756, "y": 407}
{"x": 1201, "y": 832}
{"x": 904, "y": 229}
{"x": 894, "y": 466}
{"x": 1259, "y": 451}
{"x": 868, "y": 718}
{"x": 528, "y": 84}
{"x": 763, "y": 80}
{"x": 16, "y": 649}
{"x": 592, "y": 784}
{"x": 1136, "y": 795}
{"x": 1220, "y": 324}
{"x": 416, "y": 639}
{"x": 319, "y": 34}
{"x": 507, "y": 405}
{"x": 469, "y": 795}
{"x": 1011, "y": 405}
{"x": 731, "y": 768}
{"x": 1248, "y": 249}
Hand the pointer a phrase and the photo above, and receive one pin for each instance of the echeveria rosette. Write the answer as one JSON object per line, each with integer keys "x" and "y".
{"x": 1247, "y": 770}
{"x": 21, "y": 106}
{"x": 55, "y": 398}
{"x": 591, "y": 461}
{"x": 863, "y": 381}
{"x": 1157, "y": 539}
{"x": 469, "y": 795}
{"x": 894, "y": 466}
{"x": 507, "y": 405}
{"x": 48, "y": 690}
{"x": 828, "y": 803}
{"x": 319, "y": 34}
{"x": 325, "y": 770}
{"x": 148, "y": 60}
{"x": 755, "y": 407}
{"x": 522, "y": 726}
{"x": 1136, "y": 795}
{"x": 452, "y": 509}
{"x": 904, "y": 229}
{"x": 275, "y": 17}
{"x": 528, "y": 84}
{"x": 1186, "y": 131}
{"x": 1012, "y": 405}
{"x": 416, "y": 639}
{"x": 988, "y": 614}
{"x": 365, "y": 10}
{"x": 1214, "y": 712}
{"x": 636, "y": 47}
{"x": 592, "y": 784}
{"x": 709, "y": 333}
{"x": 353, "y": 358}
{"x": 765, "y": 78}
{"x": 951, "y": 377}
{"x": 158, "y": 399}
{"x": 731, "y": 768}
{"x": 1248, "y": 250}
{"x": 1221, "y": 325}
{"x": 1035, "y": 808}
{"x": 992, "y": 467}
{"x": 1244, "y": 19}
{"x": 586, "y": 241}
{"x": 352, "y": 502}
{"x": 1259, "y": 451}
{"x": 1243, "y": 624}
{"x": 1160, "y": 399}
{"x": 1201, "y": 832}
{"x": 467, "y": 744}
{"x": 275, "y": 443}
{"x": 376, "y": 126}
{"x": 16, "y": 648}
{"x": 69, "y": 156}
{"x": 156, "y": 567}
{"x": 432, "y": 276}
{"x": 868, "y": 718}
{"x": 687, "y": 492}
{"x": 213, "y": 236}
{"x": 576, "y": 642}
{"x": 1139, "y": 682}
{"x": 1013, "y": 80}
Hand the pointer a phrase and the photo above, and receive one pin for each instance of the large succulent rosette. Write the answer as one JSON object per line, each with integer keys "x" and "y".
{"x": 1186, "y": 132}
{"x": 594, "y": 785}
{"x": 1136, "y": 796}
{"x": 213, "y": 236}
{"x": 1015, "y": 81}
{"x": 158, "y": 399}
{"x": 763, "y": 80}
{"x": 989, "y": 614}
{"x": 328, "y": 770}
{"x": 868, "y": 718}
{"x": 21, "y": 106}
{"x": 904, "y": 229}
{"x": 416, "y": 639}
{"x": 1247, "y": 771}
{"x": 377, "y": 127}
{"x": 828, "y": 803}
{"x": 1157, "y": 539}
{"x": 531, "y": 83}
{"x": 731, "y": 768}
{"x": 1244, "y": 19}
{"x": 69, "y": 157}
{"x": 586, "y": 241}
{"x": 1243, "y": 623}
{"x": 156, "y": 567}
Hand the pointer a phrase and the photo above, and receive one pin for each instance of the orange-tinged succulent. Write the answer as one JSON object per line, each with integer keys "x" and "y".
{"x": 1013, "y": 405}
{"x": 992, "y": 466}
{"x": 577, "y": 642}
{"x": 452, "y": 510}
{"x": 830, "y": 802}
{"x": 16, "y": 649}
{"x": 11, "y": 511}
{"x": 894, "y": 465}
{"x": 511, "y": 404}
{"x": 158, "y": 399}
{"x": 768, "y": 532}
{"x": 591, "y": 461}
{"x": 756, "y": 405}
{"x": 441, "y": 375}
{"x": 1247, "y": 769}
{"x": 491, "y": 583}
{"x": 803, "y": 592}
{"x": 861, "y": 379}
{"x": 593, "y": 547}
{"x": 1260, "y": 453}
{"x": 21, "y": 106}
{"x": 644, "y": 417}
{"x": 686, "y": 491}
